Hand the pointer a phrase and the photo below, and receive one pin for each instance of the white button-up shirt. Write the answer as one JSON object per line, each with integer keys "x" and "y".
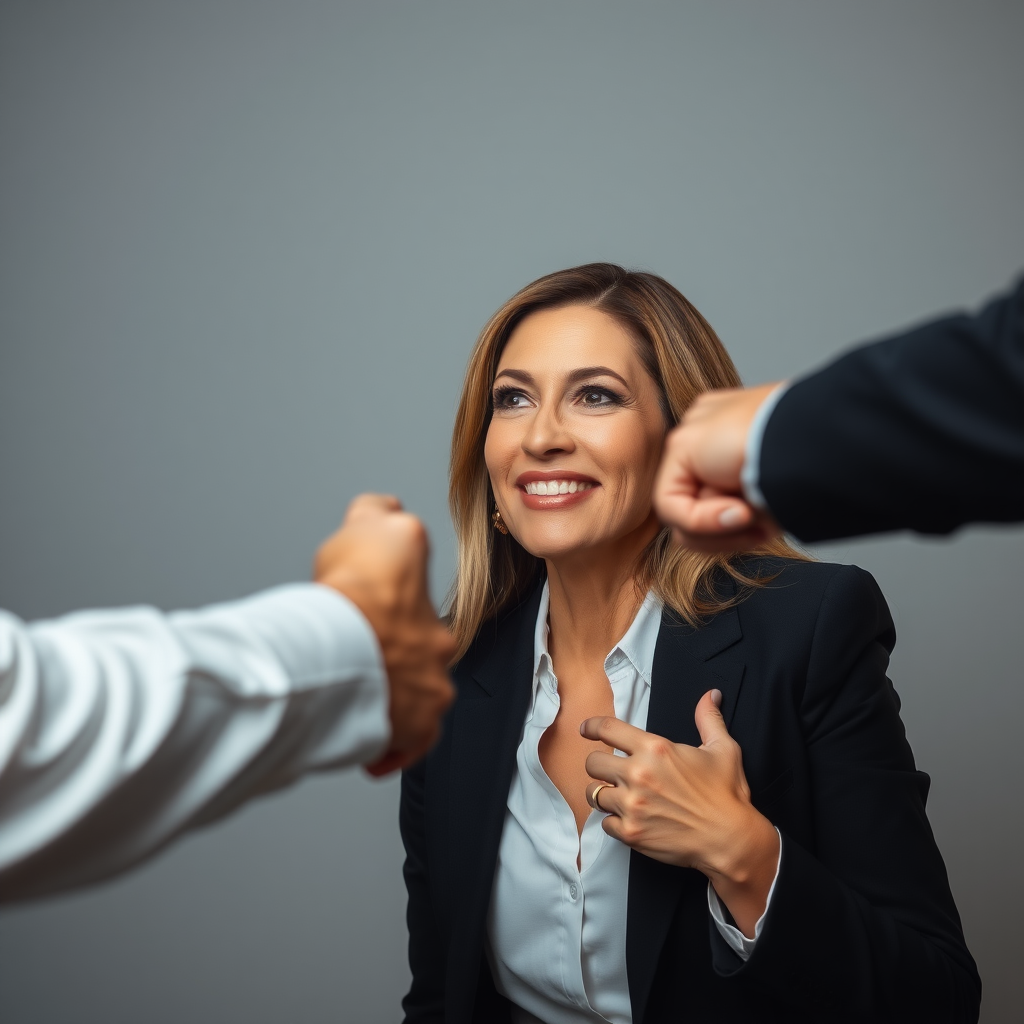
{"x": 119, "y": 729}
{"x": 556, "y": 933}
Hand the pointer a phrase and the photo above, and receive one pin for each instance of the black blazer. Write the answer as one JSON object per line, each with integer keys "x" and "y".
{"x": 924, "y": 431}
{"x": 862, "y": 925}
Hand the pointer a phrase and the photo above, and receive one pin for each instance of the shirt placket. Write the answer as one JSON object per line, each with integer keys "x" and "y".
{"x": 594, "y": 839}
{"x": 564, "y": 863}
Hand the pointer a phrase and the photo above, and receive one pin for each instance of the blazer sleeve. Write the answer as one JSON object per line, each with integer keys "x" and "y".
{"x": 424, "y": 1003}
{"x": 923, "y": 431}
{"x": 862, "y": 925}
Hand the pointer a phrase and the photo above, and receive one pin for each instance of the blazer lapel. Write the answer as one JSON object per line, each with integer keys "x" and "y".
{"x": 485, "y": 733}
{"x": 684, "y": 670}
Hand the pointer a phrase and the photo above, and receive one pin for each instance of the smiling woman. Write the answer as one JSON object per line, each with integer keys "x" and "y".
{"x": 653, "y": 353}
{"x": 574, "y": 439}
{"x": 606, "y": 831}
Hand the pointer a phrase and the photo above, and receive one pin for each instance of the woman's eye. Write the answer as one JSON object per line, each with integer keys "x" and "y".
{"x": 509, "y": 398}
{"x": 594, "y": 397}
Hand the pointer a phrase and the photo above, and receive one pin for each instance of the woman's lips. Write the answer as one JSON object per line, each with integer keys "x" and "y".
{"x": 550, "y": 491}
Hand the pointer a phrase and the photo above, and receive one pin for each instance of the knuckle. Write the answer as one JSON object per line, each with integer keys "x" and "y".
{"x": 412, "y": 526}
{"x": 637, "y": 804}
{"x": 629, "y": 833}
{"x": 660, "y": 748}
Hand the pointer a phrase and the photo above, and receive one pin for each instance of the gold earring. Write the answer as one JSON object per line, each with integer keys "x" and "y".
{"x": 499, "y": 523}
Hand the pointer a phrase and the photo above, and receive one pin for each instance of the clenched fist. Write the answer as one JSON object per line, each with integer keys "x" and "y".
{"x": 378, "y": 560}
{"x": 698, "y": 490}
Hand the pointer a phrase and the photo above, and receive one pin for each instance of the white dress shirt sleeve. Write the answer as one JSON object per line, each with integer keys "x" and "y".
{"x": 119, "y": 729}
{"x": 751, "y": 472}
{"x": 738, "y": 942}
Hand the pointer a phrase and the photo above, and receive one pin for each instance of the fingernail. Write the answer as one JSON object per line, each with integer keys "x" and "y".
{"x": 732, "y": 517}
{"x": 716, "y": 696}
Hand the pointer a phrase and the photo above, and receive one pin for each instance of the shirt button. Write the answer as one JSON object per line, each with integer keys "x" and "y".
{"x": 573, "y": 890}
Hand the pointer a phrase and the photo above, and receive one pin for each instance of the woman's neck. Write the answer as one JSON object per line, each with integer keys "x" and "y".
{"x": 593, "y": 597}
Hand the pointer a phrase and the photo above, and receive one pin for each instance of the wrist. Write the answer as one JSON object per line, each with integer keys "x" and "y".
{"x": 766, "y": 398}
{"x": 745, "y": 879}
{"x": 749, "y": 856}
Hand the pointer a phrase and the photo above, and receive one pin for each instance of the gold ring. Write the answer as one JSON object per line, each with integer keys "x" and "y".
{"x": 596, "y": 793}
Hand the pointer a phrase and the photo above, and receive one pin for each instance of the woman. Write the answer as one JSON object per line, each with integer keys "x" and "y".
{"x": 758, "y": 849}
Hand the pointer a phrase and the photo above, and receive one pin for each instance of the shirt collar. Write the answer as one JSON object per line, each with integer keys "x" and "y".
{"x": 641, "y": 638}
{"x": 637, "y": 645}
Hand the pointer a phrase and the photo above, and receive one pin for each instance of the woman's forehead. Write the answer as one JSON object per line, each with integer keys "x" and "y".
{"x": 562, "y": 339}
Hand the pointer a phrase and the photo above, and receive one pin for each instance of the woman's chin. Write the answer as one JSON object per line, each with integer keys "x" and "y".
{"x": 558, "y": 549}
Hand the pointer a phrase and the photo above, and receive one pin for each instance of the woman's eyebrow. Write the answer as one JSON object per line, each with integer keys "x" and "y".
{"x": 520, "y": 375}
{"x": 595, "y": 371}
{"x": 573, "y": 377}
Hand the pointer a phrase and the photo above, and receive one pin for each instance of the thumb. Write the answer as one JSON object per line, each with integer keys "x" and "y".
{"x": 709, "y": 720}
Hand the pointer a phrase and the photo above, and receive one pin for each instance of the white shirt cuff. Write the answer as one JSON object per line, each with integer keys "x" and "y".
{"x": 751, "y": 472}
{"x": 738, "y": 942}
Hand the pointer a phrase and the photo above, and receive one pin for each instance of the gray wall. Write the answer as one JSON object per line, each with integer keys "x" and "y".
{"x": 244, "y": 250}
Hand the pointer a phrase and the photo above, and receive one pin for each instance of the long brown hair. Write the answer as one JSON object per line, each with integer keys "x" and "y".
{"x": 684, "y": 357}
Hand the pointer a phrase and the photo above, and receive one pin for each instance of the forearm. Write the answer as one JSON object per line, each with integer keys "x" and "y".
{"x": 119, "y": 729}
{"x": 922, "y": 431}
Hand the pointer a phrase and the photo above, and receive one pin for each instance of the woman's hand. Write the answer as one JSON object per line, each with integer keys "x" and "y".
{"x": 688, "y": 806}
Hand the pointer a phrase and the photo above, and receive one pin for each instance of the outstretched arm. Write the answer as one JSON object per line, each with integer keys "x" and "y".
{"x": 120, "y": 729}
{"x": 924, "y": 431}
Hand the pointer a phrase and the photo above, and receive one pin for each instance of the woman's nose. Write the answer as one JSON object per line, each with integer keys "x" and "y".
{"x": 547, "y": 434}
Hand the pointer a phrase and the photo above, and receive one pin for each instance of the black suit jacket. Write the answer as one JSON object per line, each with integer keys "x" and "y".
{"x": 924, "y": 431}
{"x": 862, "y": 925}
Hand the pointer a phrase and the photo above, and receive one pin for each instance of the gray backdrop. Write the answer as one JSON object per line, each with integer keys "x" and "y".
{"x": 245, "y": 250}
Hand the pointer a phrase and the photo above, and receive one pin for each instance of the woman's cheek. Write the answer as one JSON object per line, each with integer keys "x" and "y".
{"x": 496, "y": 455}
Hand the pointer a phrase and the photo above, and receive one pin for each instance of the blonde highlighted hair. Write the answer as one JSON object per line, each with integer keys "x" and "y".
{"x": 684, "y": 357}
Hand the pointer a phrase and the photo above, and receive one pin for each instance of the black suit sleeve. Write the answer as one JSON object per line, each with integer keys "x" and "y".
{"x": 924, "y": 431}
{"x": 862, "y": 925}
{"x": 425, "y": 1002}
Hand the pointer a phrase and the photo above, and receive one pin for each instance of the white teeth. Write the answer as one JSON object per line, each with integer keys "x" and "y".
{"x": 557, "y": 486}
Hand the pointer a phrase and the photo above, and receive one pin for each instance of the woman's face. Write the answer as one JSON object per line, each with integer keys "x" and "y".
{"x": 576, "y": 435}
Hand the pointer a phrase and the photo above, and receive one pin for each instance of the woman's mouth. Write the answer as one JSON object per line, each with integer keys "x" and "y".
{"x": 557, "y": 486}
{"x": 554, "y": 490}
